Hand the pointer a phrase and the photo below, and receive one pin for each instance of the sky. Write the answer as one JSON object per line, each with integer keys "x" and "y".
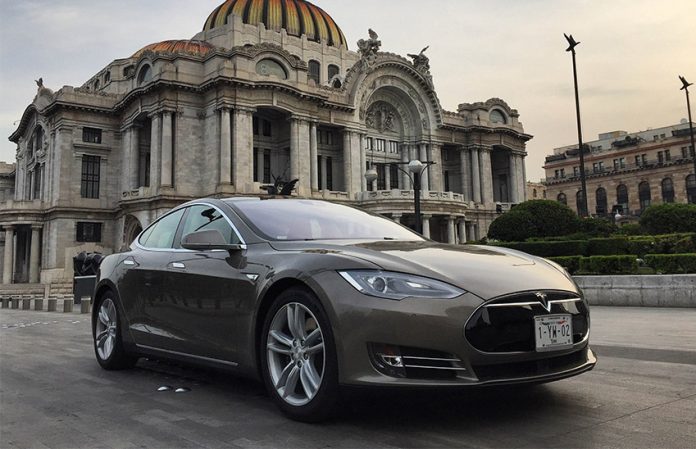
{"x": 629, "y": 57}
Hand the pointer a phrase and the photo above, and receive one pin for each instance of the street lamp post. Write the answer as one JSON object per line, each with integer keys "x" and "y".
{"x": 583, "y": 201}
{"x": 685, "y": 88}
{"x": 416, "y": 169}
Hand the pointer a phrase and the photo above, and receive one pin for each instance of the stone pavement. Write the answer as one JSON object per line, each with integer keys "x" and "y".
{"x": 53, "y": 394}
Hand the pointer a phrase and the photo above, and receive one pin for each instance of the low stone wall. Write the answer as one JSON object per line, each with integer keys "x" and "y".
{"x": 677, "y": 290}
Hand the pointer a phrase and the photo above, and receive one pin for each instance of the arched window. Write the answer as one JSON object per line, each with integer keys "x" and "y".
{"x": 267, "y": 67}
{"x": 315, "y": 71}
{"x": 561, "y": 198}
{"x": 644, "y": 195}
{"x": 333, "y": 70}
{"x": 497, "y": 117}
{"x": 107, "y": 77}
{"x": 667, "y": 190}
{"x": 534, "y": 193}
{"x": 96, "y": 85}
{"x": 145, "y": 75}
{"x": 691, "y": 189}
{"x": 622, "y": 198}
{"x": 580, "y": 203}
{"x": 601, "y": 201}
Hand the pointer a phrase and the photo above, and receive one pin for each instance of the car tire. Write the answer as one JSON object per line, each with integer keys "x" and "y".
{"x": 298, "y": 360}
{"x": 107, "y": 329}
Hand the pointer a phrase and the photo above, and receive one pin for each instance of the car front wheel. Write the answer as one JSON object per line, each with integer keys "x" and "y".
{"x": 107, "y": 328}
{"x": 299, "y": 357}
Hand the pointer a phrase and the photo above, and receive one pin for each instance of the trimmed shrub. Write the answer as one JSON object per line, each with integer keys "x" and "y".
{"x": 546, "y": 249}
{"x": 607, "y": 247}
{"x": 669, "y": 218}
{"x": 672, "y": 263}
{"x": 609, "y": 265}
{"x": 630, "y": 229}
{"x": 536, "y": 218}
{"x": 597, "y": 227}
{"x": 570, "y": 263}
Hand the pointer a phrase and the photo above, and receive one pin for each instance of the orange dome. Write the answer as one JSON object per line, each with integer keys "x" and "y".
{"x": 186, "y": 47}
{"x": 296, "y": 17}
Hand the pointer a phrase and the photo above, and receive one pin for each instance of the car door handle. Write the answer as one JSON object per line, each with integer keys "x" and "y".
{"x": 178, "y": 265}
{"x": 129, "y": 263}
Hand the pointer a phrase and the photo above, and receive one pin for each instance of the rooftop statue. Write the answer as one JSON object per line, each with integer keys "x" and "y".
{"x": 368, "y": 48}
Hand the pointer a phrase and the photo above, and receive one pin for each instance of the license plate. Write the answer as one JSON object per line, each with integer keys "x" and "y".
{"x": 553, "y": 332}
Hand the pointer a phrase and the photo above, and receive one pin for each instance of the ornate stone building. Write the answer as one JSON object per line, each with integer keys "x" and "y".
{"x": 626, "y": 172}
{"x": 267, "y": 90}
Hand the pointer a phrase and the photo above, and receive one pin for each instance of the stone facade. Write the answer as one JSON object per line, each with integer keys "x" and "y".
{"x": 237, "y": 107}
{"x": 626, "y": 172}
{"x": 536, "y": 190}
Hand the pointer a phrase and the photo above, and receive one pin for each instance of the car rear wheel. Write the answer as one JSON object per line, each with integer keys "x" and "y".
{"x": 299, "y": 357}
{"x": 106, "y": 328}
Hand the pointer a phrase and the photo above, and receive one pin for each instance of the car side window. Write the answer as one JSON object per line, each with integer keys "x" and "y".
{"x": 161, "y": 234}
{"x": 204, "y": 218}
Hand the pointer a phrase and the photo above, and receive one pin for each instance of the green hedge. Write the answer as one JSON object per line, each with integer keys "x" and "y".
{"x": 570, "y": 263}
{"x": 609, "y": 265}
{"x": 672, "y": 263}
{"x": 607, "y": 247}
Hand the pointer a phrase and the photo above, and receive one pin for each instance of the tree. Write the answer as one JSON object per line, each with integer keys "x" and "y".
{"x": 536, "y": 218}
{"x": 668, "y": 218}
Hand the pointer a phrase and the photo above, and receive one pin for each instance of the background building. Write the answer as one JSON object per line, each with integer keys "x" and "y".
{"x": 536, "y": 190}
{"x": 630, "y": 171}
{"x": 267, "y": 90}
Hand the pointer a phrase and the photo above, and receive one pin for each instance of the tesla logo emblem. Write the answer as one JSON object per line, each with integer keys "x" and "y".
{"x": 542, "y": 299}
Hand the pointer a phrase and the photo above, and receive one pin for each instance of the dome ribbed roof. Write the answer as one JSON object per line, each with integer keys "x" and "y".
{"x": 296, "y": 17}
{"x": 187, "y": 47}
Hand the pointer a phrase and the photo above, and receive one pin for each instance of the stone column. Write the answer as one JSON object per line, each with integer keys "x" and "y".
{"x": 347, "y": 187}
{"x": 313, "y": 155}
{"x": 486, "y": 177}
{"x": 259, "y": 166}
{"x": 304, "y": 186}
{"x": 294, "y": 149}
{"x": 242, "y": 150}
{"x": 225, "y": 147}
{"x": 387, "y": 177}
{"x": 522, "y": 179}
{"x": 462, "y": 231}
{"x": 363, "y": 164}
{"x": 323, "y": 173}
{"x": 514, "y": 194}
{"x": 8, "y": 261}
{"x": 405, "y": 180}
{"x": 134, "y": 155}
{"x": 425, "y": 178}
{"x": 126, "y": 159}
{"x": 397, "y": 218}
{"x": 426, "y": 225}
{"x": 34, "y": 273}
{"x": 167, "y": 150}
{"x": 450, "y": 230}
{"x": 436, "y": 171}
{"x": 465, "y": 170}
{"x": 476, "y": 176}
{"x": 155, "y": 152}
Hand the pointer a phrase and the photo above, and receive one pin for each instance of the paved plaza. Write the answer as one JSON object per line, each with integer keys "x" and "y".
{"x": 53, "y": 394}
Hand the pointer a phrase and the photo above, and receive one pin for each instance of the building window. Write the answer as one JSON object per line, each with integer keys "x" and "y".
{"x": 497, "y": 117}
{"x": 91, "y": 135}
{"x": 381, "y": 144}
{"x": 601, "y": 201}
{"x": 561, "y": 198}
{"x": 667, "y": 190}
{"x": 381, "y": 178}
{"x": 88, "y": 232}
{"x": 370, "y": 143}
{"x": 315, "y": 71}
{"x": 333, "y": 70}
{"x": 38, "y": 174}
{"x": 563, "y": 173}
{"x": 267, "y": 167}
{"x": 266, "y": 128}
{"x": 622, "y": 198}
{"x": 660, "y": 158}
{"x": 691, "y": 189}
{"x": 576, "y": 171}
{"x": 89, "y": 186}
{"x": 447, "y": 181}
{"x": 255, "y": 125}
{"x": 393, "y": 147}
{"x": 534, "y": 193}
{"x": 668, "y": 156}
{"x": 268, "y": 67}
{"x": 393, "y": 177}
{"x": 145, "y": 75}
{"x": 329, "y": 173}
{"x": 580, "y": 203}
{"x": 644, "y": 195}
{"x": 107, "y": 77}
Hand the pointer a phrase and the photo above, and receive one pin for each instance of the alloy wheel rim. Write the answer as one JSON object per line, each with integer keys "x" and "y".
{"x": 105, "y": 335}
{"x": 295, "y": 354}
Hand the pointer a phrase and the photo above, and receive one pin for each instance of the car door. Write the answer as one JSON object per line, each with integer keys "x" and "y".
{"x": 144, "y": 290}
{"x": 213, "y": 291}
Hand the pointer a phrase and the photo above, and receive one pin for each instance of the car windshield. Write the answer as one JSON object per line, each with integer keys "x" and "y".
{"x": 279, "y": 220}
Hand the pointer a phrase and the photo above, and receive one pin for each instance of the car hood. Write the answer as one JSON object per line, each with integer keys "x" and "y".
{"x": 485, "y": 271}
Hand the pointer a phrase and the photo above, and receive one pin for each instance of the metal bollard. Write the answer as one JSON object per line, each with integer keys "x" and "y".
{"x": 38, "y": 304}
{"x": 15, "y": 303}
{"x": 67, "y": 305}
{"x": 26, "y": 304}
{"x": 52, "y": 304}
{"x": 85, "y": 305}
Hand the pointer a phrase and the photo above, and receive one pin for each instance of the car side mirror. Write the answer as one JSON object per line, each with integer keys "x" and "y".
{"x": 207, "y": 240}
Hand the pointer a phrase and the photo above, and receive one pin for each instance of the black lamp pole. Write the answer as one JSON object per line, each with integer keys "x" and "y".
{"x": 571, "y": 48}
{"x": 417, "y": 204}
{"x": 685, "y": 88}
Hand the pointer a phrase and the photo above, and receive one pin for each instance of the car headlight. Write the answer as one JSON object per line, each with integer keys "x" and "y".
{"x": 397, "y": 286}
